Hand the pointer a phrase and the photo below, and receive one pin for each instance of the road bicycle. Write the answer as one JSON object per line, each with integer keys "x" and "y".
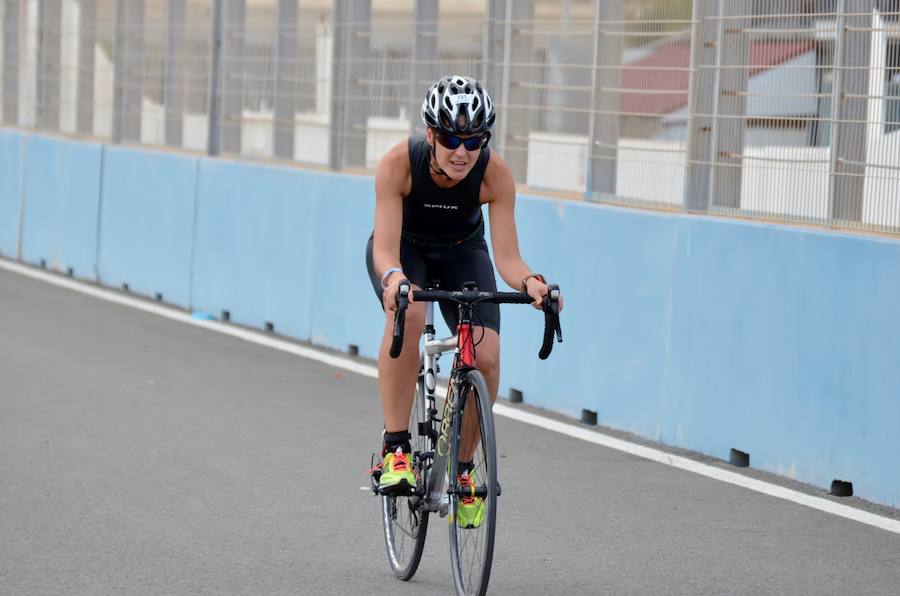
{"x": 440, "y": 442}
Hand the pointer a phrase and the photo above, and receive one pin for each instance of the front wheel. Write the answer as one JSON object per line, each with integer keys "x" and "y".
{"x": 473, "y": 486}
{"x": 405, "y": 517}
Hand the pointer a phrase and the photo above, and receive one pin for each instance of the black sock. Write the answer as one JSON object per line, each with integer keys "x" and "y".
{"x": 394, "y": 440}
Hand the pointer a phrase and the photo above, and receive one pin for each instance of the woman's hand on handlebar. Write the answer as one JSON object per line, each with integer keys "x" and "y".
{"x": 538, "y": 290}
{"x": 389, "y": 296}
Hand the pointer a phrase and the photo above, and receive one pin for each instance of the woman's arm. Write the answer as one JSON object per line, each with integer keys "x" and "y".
{"x": 392, "y": 183}
{"x": 499, "y": 191}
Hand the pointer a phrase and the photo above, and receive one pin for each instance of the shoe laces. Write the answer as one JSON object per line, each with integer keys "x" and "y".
{"x": 401, "y": 461}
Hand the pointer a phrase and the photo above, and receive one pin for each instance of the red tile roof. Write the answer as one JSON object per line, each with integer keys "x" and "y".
{"x": 649, "y": 73}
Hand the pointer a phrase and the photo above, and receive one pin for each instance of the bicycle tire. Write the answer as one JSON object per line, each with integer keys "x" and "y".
{"x": 472, "y": 549}
{"x": 404, "y": 517}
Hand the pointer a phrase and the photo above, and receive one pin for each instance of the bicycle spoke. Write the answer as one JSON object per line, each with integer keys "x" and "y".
{"x": 413, "y": 527}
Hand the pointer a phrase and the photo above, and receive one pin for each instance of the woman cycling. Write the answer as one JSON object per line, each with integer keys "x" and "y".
{"x": 429, "y": 226}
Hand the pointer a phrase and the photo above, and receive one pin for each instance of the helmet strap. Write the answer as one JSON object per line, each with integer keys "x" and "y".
{"x": 434, "y": 167}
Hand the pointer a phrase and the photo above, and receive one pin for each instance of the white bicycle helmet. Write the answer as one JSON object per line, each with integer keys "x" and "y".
{"x": 458, "y": 105}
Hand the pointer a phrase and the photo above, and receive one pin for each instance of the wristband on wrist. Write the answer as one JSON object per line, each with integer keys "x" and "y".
{"x": 387, "y": 274}
{"x": 529, "y": 276}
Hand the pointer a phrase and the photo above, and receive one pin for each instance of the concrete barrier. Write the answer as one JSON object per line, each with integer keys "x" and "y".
{"x": 147, "y": 222}
{"x": 61, "y": 204}
{"x": 345, "y": 307}
{"x": 712, "y": 334}
{"x": 784, "y": 345}
{"x": 699, "y": 332}
{"x": 286, "y": 247}
{"x": 11, "y": 149}
{"x": 253, "y": 244}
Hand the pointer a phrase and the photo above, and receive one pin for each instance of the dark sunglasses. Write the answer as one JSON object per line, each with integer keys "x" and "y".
{"x": 471, "y": 143}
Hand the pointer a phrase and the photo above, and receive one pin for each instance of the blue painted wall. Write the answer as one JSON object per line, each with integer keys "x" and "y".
{"x": 699, "y": 332}
{"x": 785, "y": 341}
{"x": 62, "y": 195}
{"x": 710, "y": 334}
{"x": 147, "y": 222}
{"x": 286, "y": 246}
{"x": 253, "y": 244}
{"x": 346, "y": 309}
{"x": 11, "y": 150}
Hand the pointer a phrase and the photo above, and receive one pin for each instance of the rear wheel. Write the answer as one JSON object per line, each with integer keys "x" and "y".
{"x": 405, "y": 518}
{"x": 472, "y": 530}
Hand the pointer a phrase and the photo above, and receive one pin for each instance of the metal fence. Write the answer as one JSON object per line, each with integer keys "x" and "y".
{"x": 787, "y": 110}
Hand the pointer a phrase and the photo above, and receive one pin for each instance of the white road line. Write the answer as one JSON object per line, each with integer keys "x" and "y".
{"x": 571, "y": 430}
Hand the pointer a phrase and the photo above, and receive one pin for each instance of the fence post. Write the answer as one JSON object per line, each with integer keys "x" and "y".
{"x": 233, "y": 71}
{"x": 349, "y": 107}
{"x": 731, "y": 105}
{"x": 49, "y": 56}
{"x": 174, "y": 86}
{"x": 701, "y": 97}
{"x": 214, "y": 130}
{"x": 87, "y": 38}
{"x": 424, "y": 58}
{"x": 848, "y": 108}
{"x": 10, "y": 99}
{"x": 487, "y": 43}
{"x": 514, "y": 113}
{"x": 285, "y": 108}
{"x": 128, "y": 73}
{"x": 495, "y": 47}
{"x": 603, "y": 119}
{"x": 720, "y": 59}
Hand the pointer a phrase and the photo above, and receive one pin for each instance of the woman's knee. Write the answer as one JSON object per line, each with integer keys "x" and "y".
{"x": 487, "y": 361}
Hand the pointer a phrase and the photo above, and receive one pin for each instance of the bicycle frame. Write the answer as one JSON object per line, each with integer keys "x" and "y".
{"x": 440, "y": 438}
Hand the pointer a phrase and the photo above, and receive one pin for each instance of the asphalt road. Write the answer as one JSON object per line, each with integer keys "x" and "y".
{"x": 142, "y": 456}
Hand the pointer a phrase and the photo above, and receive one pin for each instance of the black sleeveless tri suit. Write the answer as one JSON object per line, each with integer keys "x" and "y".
{"x": 443, "y": 235}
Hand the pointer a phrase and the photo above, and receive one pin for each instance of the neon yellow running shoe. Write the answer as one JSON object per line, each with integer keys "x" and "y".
{"x": 397, "y": 473}
{"x": 469, "y": 510}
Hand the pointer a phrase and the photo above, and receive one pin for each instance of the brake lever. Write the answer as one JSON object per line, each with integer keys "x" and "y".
{"x": 551, "y": 322}
{"x": 400, "y": 318}
{"x": 552, "y": 305}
